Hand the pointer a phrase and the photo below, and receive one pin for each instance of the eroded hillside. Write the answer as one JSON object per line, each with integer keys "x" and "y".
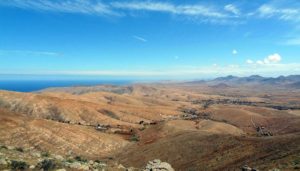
{"x": 195, "y": 126}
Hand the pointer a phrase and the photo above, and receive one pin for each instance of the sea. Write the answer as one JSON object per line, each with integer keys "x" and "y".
{"x": 36, "y": 85}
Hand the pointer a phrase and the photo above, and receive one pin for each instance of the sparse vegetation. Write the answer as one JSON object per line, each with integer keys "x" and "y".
{"x": 80, "y": 159}
{"x": 20, "y": 149}
{"x": 97, "y": 161}
{"x": 142, "y": 128}
{"x": 47, "y": 164}
{"x": 3, "y": 147}
{"x": 18, "y": 165}
{"x": 70, "y": 160}
{"x": 134, "y": 138}
{"x": 296, "y": 161}
{"x": 55, "y": 114}
{"x": 182, "y": 132}
{"x": 45, "y": 154}
{"x": 109, "y": 113}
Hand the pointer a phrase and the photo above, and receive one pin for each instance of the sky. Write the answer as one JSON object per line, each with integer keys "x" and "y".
{"x": 151, "y": 39}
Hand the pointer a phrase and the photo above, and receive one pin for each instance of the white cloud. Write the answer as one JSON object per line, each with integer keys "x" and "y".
{"x": 29, "y": 53}
{"x": 190, "y": 10}
{"x": 97, "y": 7}
{"x": 181, "y": 72}
{"x": 282, "y": 13}
{"x": 249, "y": 61}
{"x": 259, "y": 62}
{"x": 233, "y": 9}
{"x": 234, "y": 52}
{"x": 269, "y": 60}
{"x": 140, "y": 38}
{"x": 212, "y": 12}
{"x": 70, "y": 6}
{"x": 274, "y": 58}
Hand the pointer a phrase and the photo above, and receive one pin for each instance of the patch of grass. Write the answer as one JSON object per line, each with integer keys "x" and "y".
{"x": 142, "y": 128}
{"x": 20, "y": 149}
{"x": 79, "y": 158}
{"x": 296, "y": 161}
{"x": 70, "y": 160}
{"x": 18, "y": 165}
{"x": 45, "y": 154}
{"x": 47, "y": 165}
{"x": 97, "y": 161}
{"x": 3, "y": 147}
{"x": 134, "y": 138}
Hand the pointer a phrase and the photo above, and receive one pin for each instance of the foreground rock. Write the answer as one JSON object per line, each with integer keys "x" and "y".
{"x": 157, "y": 165}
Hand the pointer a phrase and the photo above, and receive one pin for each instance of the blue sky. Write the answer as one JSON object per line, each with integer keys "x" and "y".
{"x": 149, "y": 39}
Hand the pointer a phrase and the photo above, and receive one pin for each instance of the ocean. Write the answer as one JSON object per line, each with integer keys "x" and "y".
{"x": 35, "y": 85}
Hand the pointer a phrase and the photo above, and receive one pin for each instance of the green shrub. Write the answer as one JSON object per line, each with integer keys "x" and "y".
{"x": 78, "y": 158}
{"x": 45, "y": 154}
{"x": 142, "y": 128}
{"x": 70, "y": 160}
{"x": 47, "y": 165}
{"x": 296, "y": 161}
{"x": 3, "y": 147}
{"x": 18, "y": 165}
{"x": 135, "y": 138}
{"x": 20, "y": 149}
{"x": 97, "y": 161}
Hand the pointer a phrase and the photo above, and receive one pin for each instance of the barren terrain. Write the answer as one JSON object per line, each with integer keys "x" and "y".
{"x": 193, "y": 126}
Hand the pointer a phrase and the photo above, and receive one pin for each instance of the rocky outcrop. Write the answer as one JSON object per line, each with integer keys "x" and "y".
{"x": 157, "y": 165}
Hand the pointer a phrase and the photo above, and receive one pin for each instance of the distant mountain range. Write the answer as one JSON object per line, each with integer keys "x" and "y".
{"x": 291, "y": 81}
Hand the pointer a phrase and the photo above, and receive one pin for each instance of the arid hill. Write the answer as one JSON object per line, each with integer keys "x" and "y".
{"x": 192, "y": 126}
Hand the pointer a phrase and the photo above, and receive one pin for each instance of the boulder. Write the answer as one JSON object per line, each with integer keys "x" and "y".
{"x": 61, "y": 170}
{"x": 84, "y": 167}
{"x": 3, "y": 162}
{"x": 36, "y": 154}
{"x": 75, "y": 165}
{"x": 58, "y": 157}
{"x": 157, "y": 165}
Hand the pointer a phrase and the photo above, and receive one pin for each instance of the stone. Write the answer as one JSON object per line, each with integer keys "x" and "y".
{"x": 275, "y": 169}
{"x": 120, "y": 166}
{"x": 75, "y": 165}
{"x": 10, "y": 147}
{"x": 3, "y": 162}
{"x": 131, "y": 169}
{"x": 58, "y": 157}
{"x": 102, "y": 164}
{"x": 79, "y": 166}
{"x": 61, "y": 170}
{"x": 31, "y": 166}
{"x": 84, "y": 167}
{"x": 91, "y": 162}
{"x": 96, "y": 165}
{"x": 157, "y": 165}
{"x": 36, "y": 154}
